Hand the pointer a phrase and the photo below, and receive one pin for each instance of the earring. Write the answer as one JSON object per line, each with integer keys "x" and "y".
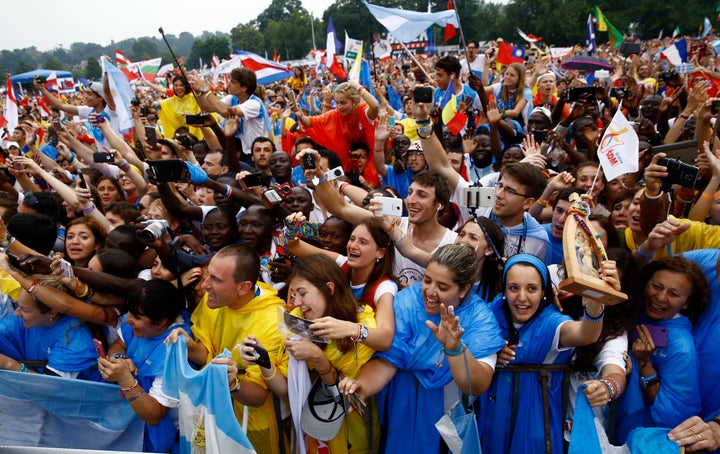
{"x": 544, "y": 298}
{"x": 377, "y": 260}
{"x": 504, "y": 298}
{"x": 50, "y": 319}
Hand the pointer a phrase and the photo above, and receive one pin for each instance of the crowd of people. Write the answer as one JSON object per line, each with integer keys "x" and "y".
{"x": 229, "y": 208}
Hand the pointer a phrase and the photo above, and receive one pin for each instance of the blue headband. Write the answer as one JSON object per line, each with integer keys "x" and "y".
{"x": 527, "y": 259}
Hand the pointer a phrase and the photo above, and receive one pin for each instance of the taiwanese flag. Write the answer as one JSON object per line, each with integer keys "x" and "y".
{"x": 509, "y": 53}
{"x": 450, "y": 30}
{"x": 452, "y": 119}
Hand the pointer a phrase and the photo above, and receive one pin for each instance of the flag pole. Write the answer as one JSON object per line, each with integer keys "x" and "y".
{"x": 417, "y": 62}
{"x": 462, "y": 35}
{"x": 592, "y": 186}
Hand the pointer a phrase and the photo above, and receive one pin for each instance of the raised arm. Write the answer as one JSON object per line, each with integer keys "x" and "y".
{"x": 55, "y": 102}
{"x": 432, "y": 148}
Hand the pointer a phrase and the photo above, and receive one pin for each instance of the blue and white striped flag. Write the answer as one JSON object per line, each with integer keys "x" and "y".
{"x": 48, "y": 411}
{"x": 206, "y": 410}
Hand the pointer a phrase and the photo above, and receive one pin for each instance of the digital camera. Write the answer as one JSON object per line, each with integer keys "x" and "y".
{"x": 154, "y": 230}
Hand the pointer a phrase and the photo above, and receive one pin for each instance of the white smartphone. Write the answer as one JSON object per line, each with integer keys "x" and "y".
{"x": 477, "y": 197}
{"x": 391, "y": 206}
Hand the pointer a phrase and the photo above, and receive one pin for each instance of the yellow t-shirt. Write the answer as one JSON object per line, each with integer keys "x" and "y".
{"x": 222, "y": 328}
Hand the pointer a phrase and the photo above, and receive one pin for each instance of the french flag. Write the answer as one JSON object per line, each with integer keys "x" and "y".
{"x": 265, "y": 70}
{"x": 333, "y": 46}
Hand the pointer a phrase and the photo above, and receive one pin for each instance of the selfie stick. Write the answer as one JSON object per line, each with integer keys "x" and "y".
{"x": 182, "y": 71}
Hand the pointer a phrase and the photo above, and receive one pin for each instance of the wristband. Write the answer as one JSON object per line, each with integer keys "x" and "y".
{"x": 682, "y": 115}
{"x": 646, "y": 382}
{"x": 705, "y": 195}
{"x": 23, "y": 368}
{"x": 235, "y": 386}
{"x": 716, "y": 420}
{"x": 422, "y": 122}
{"x": 89, "y": 209}
{"x": 321, "y": 180}
{"x": 596, "y": 318}
{"x": 123, "y": 163}
{"x": 460, "y": 348}
{"x": 228, "y": 191}
{"x": 643, "y": 254}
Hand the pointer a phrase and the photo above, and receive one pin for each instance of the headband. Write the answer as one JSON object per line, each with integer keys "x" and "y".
{"x": 526, "y": 259}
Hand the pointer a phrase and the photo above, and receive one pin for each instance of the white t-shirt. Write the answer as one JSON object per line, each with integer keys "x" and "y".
{"x": 407, "y": 271}
{"x": 252, "y": 124}
{"x": 478, "y": 65}
{"x": 110, "y": 115}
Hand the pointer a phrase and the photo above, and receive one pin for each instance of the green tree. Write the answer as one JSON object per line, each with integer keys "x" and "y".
{"x": 144, "y": 48}
{"x": 292, "y": 38}
{"x": 204, "y": 49}
{"x": 278, "y": 11}
{"x": 93, "y": 71}
{"x": 247, "y": 37}
{"x": 53, "y": 62}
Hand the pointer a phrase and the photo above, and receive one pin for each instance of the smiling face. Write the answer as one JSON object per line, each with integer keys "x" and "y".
{"x": 421, "y": 203}
{"x": 307, "y": 297}
{"x": 523, "y": 291}
{"x": 362, "y": 250}
{"x": 179, "y": 88}
{"x": 218, "y": 230}
{"x": 633, "y": 213}
{"x": 438, "y": 286}
{"x": 472, "y": 235}
{"x": 666, "y": 293}
{"x": 142, "y": 326}
{"x": 344, "y": 104}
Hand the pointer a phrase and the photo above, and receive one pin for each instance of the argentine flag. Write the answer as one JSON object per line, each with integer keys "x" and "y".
{"x": 207, "y": 420}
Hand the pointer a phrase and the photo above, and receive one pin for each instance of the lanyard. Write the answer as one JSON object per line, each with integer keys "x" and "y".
{"x": 521, "y": 240}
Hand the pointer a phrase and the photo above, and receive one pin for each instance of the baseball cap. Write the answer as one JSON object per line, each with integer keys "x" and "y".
{"x": 98, "y": 89}
{"x": 323, "y": 412}
{"x": 12, "y": 144}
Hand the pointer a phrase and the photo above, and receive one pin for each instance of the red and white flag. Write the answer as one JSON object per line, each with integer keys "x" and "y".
{"x": 331, "y": 53}
{"x": 528, "y": 37}
{"x": 10, "y": 115}
{"x": 121, "y": 59}
{"x": 52, "y": 82}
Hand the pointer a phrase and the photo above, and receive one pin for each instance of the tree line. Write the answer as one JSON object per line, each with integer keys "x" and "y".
{"x": 287, "y": 28}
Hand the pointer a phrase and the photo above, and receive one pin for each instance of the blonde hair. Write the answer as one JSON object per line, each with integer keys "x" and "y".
{"x": 348, "y": 90}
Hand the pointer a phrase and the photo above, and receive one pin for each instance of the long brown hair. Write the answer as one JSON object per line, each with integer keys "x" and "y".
{"x": 318, "y": 270}
{"x": 384, "y": 266}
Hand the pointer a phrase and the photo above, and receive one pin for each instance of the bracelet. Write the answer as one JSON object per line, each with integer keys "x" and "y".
{"x": 89, "y": 209}
{"x": 643, "y": 254}
{"x": 611, "y": 392}
{"x": 327, "y": 105}
{"x": 705, "y": 195}
{"x": 228, "y": 191}
{"x": 342, "y": 187}
{"x": 322, "y": 180}
{"x": 391, "y": 228}
{"x": 682, "y": 115}
{"x": 542, "y": 203}
{"x": 32, "y": 286}
{"x": 72, "y": 161}
{"x": 118, "y": 356}
{"x": 23, "y": 368}
{"x": 425, "y": 129}
{"x": 422, "y": 122}
{"x": 275, "y": 369}
{"x": 504, "y": 114}
{"x": 123, "y": 163}
{"x": 356, "y": 339}
{"x": 125, "y": 390}
{"x": 235, "y": 386}
{"x": 594, "y": 318}
{"x": 646, "y": 382}
{"x": 651, "y": 197}
{"x": 325, "y": 372}
{"x": 716, "y": 420}
{"x": 457, "y": 352}
{"x": 136, "y": 396}
{"x": 402, "y": 237}
{"x": 35, "y": 289}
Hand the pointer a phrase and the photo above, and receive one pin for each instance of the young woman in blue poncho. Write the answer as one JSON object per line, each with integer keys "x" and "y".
{"x": 417, "y": 380}
{"x": 664, "y": 389}
{"x": 535, "y": 333}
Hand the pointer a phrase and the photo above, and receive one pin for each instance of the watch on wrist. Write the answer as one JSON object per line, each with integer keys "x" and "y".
{"x": 646, "y": 382}
{"x": 363, "y": 333}
{"x": 5, "y": 242}
{"x": 204, "y": 90}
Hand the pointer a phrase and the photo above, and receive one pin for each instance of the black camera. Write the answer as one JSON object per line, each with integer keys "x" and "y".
{"x": 185, "y": 140}
{"x": 618, "y": 92}
{"x": 101, "y": 157}
{"x": 666, "y": 75}
{"x": 678, "y": 173}
{"x": 257, "y": 179}
{"x": 309, "y": 161}
{"x": 135, "y": 101}
{"x": 423, "y": 95}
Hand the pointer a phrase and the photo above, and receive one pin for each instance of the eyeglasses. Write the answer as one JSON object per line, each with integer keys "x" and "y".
{"x": 509, "y": 190}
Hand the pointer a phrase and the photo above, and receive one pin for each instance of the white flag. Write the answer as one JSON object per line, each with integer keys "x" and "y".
{"x": 618, "y": 150}
{"x": 225, "y": 67}
{"x": 352, "y": 47}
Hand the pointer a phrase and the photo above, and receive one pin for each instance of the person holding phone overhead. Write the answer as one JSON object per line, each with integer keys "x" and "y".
{"x": 663, "y": 389}
{"x": 174, "y": 108}
{"x": 352, "y": 121}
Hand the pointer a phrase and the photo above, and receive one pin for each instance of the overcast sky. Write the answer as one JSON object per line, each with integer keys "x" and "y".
{"x": 47, "y": 24}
